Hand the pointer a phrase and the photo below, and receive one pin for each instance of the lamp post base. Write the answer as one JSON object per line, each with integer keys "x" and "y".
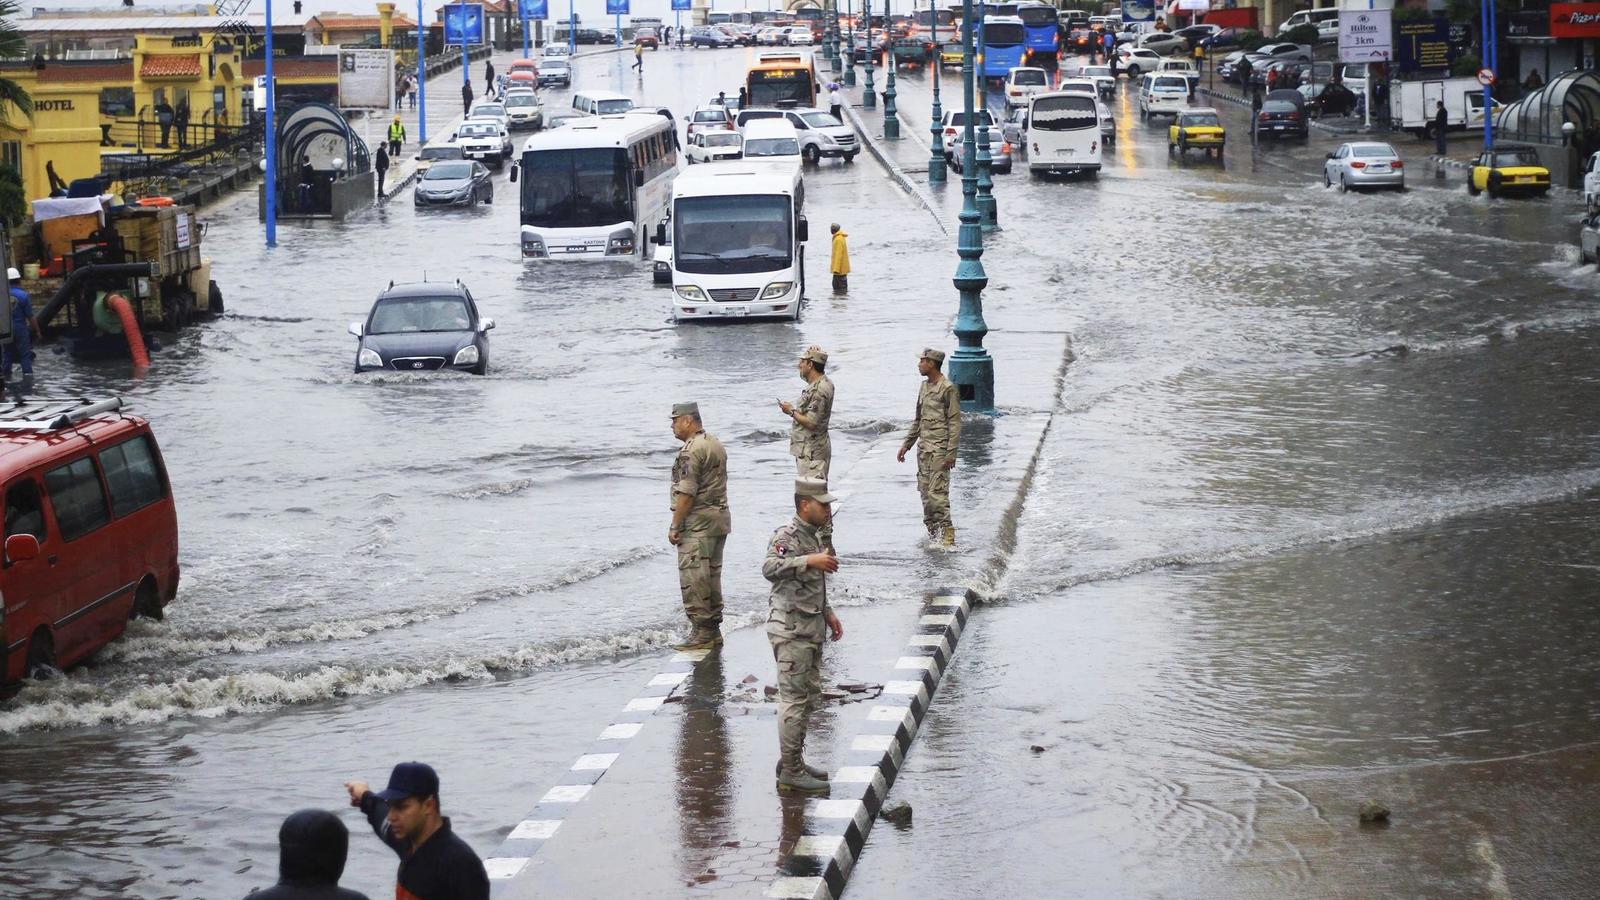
{"x": 972, "y": 372}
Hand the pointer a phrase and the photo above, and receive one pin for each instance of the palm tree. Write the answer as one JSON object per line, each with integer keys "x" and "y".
{"x": 12, "y": 46}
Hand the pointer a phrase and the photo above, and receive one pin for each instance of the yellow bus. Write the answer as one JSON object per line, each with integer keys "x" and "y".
{"x": 783, "y": 78}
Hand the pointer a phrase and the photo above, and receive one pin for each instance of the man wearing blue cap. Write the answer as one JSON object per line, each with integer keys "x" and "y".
{"x": 435, "y": 864}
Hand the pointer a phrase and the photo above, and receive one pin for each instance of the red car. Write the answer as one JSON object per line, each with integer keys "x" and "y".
{"x": 91, "y": 532}
{"x": 647, "y": 38}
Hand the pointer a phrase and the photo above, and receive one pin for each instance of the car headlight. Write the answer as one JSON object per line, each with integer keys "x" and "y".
{"x": 466, "y": 356}
{"x": 691, "y": 293}
{"x": 825, "y": 139}
{"x": 776, "y": 289}
{"x": 369, "y": 358}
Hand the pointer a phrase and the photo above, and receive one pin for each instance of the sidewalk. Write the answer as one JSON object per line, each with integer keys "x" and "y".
{"x": 906, "y": 159}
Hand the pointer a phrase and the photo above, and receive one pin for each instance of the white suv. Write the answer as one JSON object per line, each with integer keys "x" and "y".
{"x": 953, "y": 126}
{"x": 1161, "y": 95}
{"x": 484, "y": 139}
{"x": 822, "y": 135}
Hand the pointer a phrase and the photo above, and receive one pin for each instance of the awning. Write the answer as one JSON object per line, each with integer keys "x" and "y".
{"x": 45, "y": 209}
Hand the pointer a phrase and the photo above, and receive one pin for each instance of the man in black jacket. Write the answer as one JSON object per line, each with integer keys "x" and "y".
{"x": 435, "y": 864}
{"x": 311, "y": 852}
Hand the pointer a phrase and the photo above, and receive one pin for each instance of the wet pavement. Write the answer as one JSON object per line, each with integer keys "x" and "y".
{"x": 1312, "y": 523}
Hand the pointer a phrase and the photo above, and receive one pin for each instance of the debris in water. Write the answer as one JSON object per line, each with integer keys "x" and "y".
{"x": 1036, "y": 748}
{"x": 1372, "y": 811}
{"x": 896, "y": 813}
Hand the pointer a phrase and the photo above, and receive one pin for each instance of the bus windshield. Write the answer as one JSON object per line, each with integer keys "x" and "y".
{"x": 1037, "y": 15}
{"x": 732, "y": 235}
{"x": 579, "y": 188}
{"x": 771, "y": 86}
{"x": 1064, "y": 113}
{"x": 1002, "y": 34}
{"x": 944, "y": 17}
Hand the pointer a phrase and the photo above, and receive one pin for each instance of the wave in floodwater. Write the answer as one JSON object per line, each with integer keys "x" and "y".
{"x": 147, "y": 640}
{"x": 1388, "y": 518}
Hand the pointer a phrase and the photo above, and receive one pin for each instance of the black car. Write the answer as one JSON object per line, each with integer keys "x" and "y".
{"x": 454, "y": 183}
{"x": 1283, "y": 113}
{"x": 593, "y": 36}
{"x": 423, "y": 327}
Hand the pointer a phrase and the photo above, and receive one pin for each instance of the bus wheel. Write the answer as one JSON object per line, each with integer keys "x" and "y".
{"x": 41, "y": 656}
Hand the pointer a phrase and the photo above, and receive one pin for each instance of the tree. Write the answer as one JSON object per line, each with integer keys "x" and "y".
{"x": 12, "y": 46}
{"x": 13, "y": 205}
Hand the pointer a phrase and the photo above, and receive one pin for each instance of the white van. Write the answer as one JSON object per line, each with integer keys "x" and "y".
{"x": 1326, "y": 20}
{"x": 1161, "y": 95}
{"x": 601, "y": 103}
{"x": 772, "y": 142}
{"x": 1064, "y": 133}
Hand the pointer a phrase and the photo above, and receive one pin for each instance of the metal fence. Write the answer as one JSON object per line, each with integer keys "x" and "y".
{"x": 190, "y": 153}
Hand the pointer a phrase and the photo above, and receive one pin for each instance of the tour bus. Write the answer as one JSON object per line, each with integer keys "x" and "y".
{"x": 1042, "y": 34}
{"x": 719, "y": 18}
{"x": 1003, "y": 39}
{"x": 591, "y": 188}
{"x": 782, "y": 79}
{"x": 738, "y": 243}
{"x": 1063, "y": 133}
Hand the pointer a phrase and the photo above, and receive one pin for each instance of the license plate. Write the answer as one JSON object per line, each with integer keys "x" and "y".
{"x": 1067, "y": 152}
{"x": 735, "y": 312}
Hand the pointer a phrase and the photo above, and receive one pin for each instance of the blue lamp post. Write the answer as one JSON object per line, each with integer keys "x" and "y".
{"x": 1486, "y": 14}
{"x": 572, "y": 30}
{"x": 422, "y": 82}
{"x": 936, "y": 171}
{"x": 522, "y": 15}
{"x": 272, "y": 144}
{"x": 971, "y": 367}
{"x": 850, "y": 46}
{"x": 466, "y": 73}
{"x": 869, "y": 95}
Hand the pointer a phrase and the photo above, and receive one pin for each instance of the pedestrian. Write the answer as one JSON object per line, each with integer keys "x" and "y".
{"x": 840, "y": 263}
{"x": 1255, "y": 112}
{"x": 638, "y": 57}
{"x": 397, "y": 136}
{"x": 308, "y": 176}
{"x": 680, "y": 37}
{"x": 164, "y": 119}
{"x": 722, "y": 98}
{"x": 435, "y": 863}
{"x": 411, "y": 90}
{"x": 381, "y": 164}
{"x": 936, "y": 431}
{"x": 1111, "y": 47}
{"x": 700, "y": 525}
{"x": 24, "y": 329}
{"x": 488, "y": 76}
{"x": 466, "y": 98}
{"x": 835, "y": 102}
{"x": 799, "y": 617}
{"x": 180, "y": 119}
{"x": 1533, "y": 82}
{"x": 312, "y": 846}
{"x": 808, "y": 436}
{"x": 1441, "y": 121}
{"x": 744, "y": 98}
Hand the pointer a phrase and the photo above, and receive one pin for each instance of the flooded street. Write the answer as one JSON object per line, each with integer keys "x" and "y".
{"x": 1313, "y": 523}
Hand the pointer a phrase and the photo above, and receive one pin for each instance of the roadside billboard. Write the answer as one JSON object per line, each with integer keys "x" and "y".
{"x": 681, "y": 5}
{"x": 366, "y": 79}
{"x": 1424, "y": 45}
{"x": 536, "y": 10}
{"x": 463, "y": 23}
{"x": 1138, "y": 10}
{"x": 1575, "y": 20}
{"x": 616, "y": 7}
{"x": 1365, "y": 36}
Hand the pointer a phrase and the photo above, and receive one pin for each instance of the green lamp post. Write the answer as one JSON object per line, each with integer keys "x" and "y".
{"x": 936, "y": 169}
{"x": 869, "y": 95}
{"x": 986, "y": 205}
{"x": 850, "y": 46}
{"x": 971, "y": 368}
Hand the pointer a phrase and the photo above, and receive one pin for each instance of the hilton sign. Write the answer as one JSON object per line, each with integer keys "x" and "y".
{"x": 1575, "y": 20}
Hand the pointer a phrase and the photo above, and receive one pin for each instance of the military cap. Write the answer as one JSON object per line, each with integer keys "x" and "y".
{"x": 815, "y": 354}
{"x": 685, "y": 409}
{"x": 815, "y": 488}
{"x": 934, "y": 356}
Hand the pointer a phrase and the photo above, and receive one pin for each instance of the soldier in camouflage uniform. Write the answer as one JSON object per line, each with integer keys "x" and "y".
{"x": 937, "y": 426}
{"x": 700, "y": 525}
{"x": 798, "y": 565}
{"x": 808, "y": 436}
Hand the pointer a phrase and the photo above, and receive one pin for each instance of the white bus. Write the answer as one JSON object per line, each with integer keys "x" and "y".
{"x": 1063, "y": 133}
{"x": 591, "y": 188}
{"x": 738, "y": 243}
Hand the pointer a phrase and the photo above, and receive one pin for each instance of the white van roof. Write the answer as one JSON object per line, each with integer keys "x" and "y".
{"x": 769, "y": 128}
{"x": 733, "y": 178}
{"x": 603, "y": 95}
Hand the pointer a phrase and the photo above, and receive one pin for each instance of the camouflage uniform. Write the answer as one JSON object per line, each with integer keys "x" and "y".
{"x": 937, "y": 427}
{"x": 796, "y": 627}
{"x": 812, "y": 449}
{"x": 701, "y": 472}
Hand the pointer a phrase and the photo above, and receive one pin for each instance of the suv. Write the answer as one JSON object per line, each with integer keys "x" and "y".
{"x": 91, "y": 532}
{"x": 822, "y": 135}
{"x": 953, "y": 126}
{"x": 486, "y": 140}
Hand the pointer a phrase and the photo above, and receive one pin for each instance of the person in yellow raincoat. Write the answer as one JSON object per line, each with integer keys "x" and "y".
{"x": 840, "y": 266}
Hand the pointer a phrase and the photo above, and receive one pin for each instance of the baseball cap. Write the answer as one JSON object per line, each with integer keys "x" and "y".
{"x": 815, "y": 488}
{"x": 410, "y": 779}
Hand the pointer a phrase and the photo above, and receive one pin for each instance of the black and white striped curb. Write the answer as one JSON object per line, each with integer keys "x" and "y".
{"x": 836, "y": 828}
{"x": 541, "y": 824}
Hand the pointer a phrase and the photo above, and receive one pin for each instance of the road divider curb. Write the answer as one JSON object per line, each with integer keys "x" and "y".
{"x": 836, "y": 828}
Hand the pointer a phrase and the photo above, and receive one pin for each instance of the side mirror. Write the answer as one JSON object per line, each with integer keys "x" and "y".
{"x": 452, "y": 139}
{"x": 638, "y": 178}
{"x": 661, "y": 233}
{"x": 485, "y": 324}
{"x": 1330, "y": 156}
{"x": 21, "y": 548}
{"x": 803, "y": 230}
{"x": 514, "y": 168}
{"x": 356, "y": 328}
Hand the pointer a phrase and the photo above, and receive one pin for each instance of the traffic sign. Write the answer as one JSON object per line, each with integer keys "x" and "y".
{"x": 1486, "y": 77}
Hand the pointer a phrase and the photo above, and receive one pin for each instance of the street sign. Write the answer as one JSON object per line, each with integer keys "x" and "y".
{"x": 366, "y": 79}
{"x": 535, "y": 10}
{"x": 1365, "y": 36}
{"x": 463, "y": 23}
{"x": 681, "y": 5}
{"x": 616, "y": 7}
{"x": 1486, "y": 77}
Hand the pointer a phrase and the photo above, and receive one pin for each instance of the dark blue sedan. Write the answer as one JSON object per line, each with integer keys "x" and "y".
{"x": 423, "y": 327}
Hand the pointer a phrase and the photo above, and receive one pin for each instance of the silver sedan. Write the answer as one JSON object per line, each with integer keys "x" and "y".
{"x": 1364, "y": 164}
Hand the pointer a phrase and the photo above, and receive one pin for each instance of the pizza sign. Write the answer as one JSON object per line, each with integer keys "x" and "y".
{"x": 1575, "y": 20}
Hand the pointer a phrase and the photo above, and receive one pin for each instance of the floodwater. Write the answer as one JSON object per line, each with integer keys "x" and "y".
{"x": 1313, "y": 523}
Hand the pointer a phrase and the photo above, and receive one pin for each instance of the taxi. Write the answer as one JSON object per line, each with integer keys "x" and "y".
{"x": 1198, "y": 128}
{"x": 1508, "y": 170}
{"x": 950, "y": 55}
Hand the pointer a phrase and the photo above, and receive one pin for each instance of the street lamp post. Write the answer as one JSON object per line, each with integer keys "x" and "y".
{"x": 986, "y": 204}
{"x": 936, "y": 171}
{"x": 891, "y": 119}
{"x": 971, "y": 368}
{"x": 271, "y": 186}
{"x": 869, "y": 96}
{"x": 833, "y": 29}
{"x": 422, "y": 82}
{"x": 572, "y": 30}
{"x": 850, "y": 46}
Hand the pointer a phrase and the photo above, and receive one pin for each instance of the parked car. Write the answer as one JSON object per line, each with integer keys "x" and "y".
{"x": 1228, "y": 66}
{"x": 423, "y": 327}
{"x": 646, "y": 37}
{"x": 1134, "y": 60}
{"x": 706, "y": 36}
{"x": 999, "y": 155}
{"x": 1508, "y": 169}
{"x": 769, "y": 36}
{"x": 484, "y": 140}
{"x": 1283, "y": 112}
{"x": 107, "y": 550}
{"x": 797, "y": 36}
{"x": 1163, "y": 42}
{"x": 1192, "y": 35}
{"x": 556, "y": 70}
{"x": 1199, "y": 128}
{"x": 711, "y": 146}
{"x": 592, "y": 36}
{"x": 1364, "y": 164}
{"x": 1226, "y": 37}
{"x": 709, "y": 118}
{"x": 464, "y": 183}
{"x": 822, "y": 135}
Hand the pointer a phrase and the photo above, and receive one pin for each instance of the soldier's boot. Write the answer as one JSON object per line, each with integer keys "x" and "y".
{"x": 813, "y": 771}
{"x": 948, "y": 536}
{"x": 799, "y": 781}
{"x": 700, "y": 639}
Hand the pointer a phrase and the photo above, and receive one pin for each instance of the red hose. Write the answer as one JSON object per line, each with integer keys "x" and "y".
{"x": 130, "y": 330}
